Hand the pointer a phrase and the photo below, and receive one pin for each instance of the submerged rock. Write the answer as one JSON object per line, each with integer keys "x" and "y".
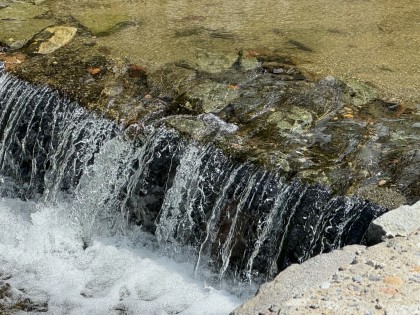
{"x": 60, "y": 36}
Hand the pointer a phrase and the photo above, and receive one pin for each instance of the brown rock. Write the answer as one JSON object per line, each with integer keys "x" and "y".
{"x": 388, "y": 291}
{"x": 11, "y": 61}
{"x": 416, "y": 269}
{"x": 93, "y": 71}
{"x": 393, "y": 280}
{"x": 135, "y": 71}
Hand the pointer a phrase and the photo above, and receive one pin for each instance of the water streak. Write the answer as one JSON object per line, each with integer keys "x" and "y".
{"x": 241, "y": 221}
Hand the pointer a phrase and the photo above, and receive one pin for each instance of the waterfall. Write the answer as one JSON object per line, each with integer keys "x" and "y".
{"x": 237, "y": 219}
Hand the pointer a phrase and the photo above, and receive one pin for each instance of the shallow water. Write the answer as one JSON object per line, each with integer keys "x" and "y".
{"x": 375, "y": 41}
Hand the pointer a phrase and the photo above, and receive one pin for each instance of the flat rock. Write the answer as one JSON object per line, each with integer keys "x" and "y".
{"x": 61, "y": 35}
{"x": 398, "y": 222}
{"x": 297, "y": 279}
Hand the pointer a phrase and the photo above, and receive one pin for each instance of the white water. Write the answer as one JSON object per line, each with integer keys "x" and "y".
{"x": 42, "y": 249}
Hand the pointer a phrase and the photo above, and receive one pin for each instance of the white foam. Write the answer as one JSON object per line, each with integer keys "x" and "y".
{"x": 42, "y": 249}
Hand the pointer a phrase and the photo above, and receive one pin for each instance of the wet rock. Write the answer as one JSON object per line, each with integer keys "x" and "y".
{"x": 358, "y": 93}
{"x": 59, "y": 36}
{"x": 14, "y": 300}
{"x": 12, "y": 61}
{"x": 387, "y": 197}
{"x": 398, "y": 222}
{"x": 295, "y": 120}
{"x": 136, "y": 71}
{"x": 211, "y": 97}
{"x": 212, "y": 62}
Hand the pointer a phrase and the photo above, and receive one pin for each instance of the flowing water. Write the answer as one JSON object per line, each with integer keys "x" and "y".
{"x": 88, "y": 209}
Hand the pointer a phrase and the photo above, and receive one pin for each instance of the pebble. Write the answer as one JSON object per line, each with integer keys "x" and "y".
{"x": 371, "y": 263}
{"x": 357, "y": 278}
{"x": 415, "y": 277}
{"x": 325, "y": 285}
{"x": 379, "y": 266}
{"x": 382, "y": 182}
{"x": 393, "y": 280}
{"x": 374, "y": 278}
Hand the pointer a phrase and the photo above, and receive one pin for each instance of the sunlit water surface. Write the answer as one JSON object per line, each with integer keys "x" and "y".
{"x": 376, "y": 41}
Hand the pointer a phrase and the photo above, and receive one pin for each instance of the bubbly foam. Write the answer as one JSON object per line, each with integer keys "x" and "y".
{"x": 41, "y": 247}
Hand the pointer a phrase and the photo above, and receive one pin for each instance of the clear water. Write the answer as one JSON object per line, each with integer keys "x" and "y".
{"x": 375, "y": 41}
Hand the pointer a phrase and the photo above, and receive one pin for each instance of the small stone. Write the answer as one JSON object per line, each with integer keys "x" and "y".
{"x": 382, "y": 182}
{"x": 416, "y": 269}
{"x": 357, "y": 278}
{"x": 371, "y": 263}
{"x": 353, "y": 287}
{"x": 388, "y": 290}
{"x": 135, "y": 71}
{"x": 313, "y": 306}
{"x": 393, "y": 280}
{"x": 379, "y": 266}
{"x": 93, "y": 71}
{"x": 378, "y": 306}
{"x": 325, "y": 285}
{"x": 374, "y": 278}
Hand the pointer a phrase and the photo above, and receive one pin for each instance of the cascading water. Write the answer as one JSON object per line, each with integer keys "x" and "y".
{"x": 237, "y": 220}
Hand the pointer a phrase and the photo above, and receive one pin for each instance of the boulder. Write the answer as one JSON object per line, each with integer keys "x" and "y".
{"x": 398, "y": 222}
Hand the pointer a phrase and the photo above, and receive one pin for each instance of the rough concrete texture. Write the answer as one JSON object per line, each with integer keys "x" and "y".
{"x": 296, "y": 280}
{"x": 398, "y": 222}
{"x": 383, "y": 280}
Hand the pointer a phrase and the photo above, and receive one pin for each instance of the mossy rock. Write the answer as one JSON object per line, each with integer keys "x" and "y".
{"x": 358, "y": 93}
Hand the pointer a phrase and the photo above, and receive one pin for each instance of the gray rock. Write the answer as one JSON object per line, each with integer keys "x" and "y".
{"x": 398, "y": 222}
{"x": 297, "y": 279}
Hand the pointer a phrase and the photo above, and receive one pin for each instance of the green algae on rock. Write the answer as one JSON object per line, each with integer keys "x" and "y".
{"x": 19, "y": 23}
